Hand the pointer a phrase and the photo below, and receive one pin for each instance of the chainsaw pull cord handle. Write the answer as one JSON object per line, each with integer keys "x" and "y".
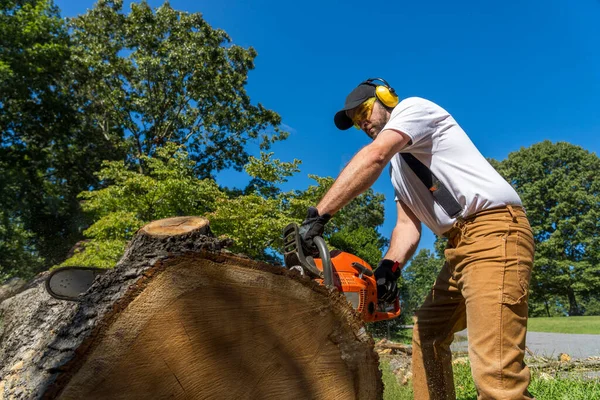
{"x": 326, "y": 259}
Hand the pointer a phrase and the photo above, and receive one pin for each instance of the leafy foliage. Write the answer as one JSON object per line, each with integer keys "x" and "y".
{"x": 363, "y": 241}
{"x": 267, "y": 174}
{"x": 34, "y": 50}
{"x": 132, "y": 199}
{"x": 110, "y": 86}
{"x": 591, "y": 305}
{"x": 418, "y": 278}
{"x": 15, "y": 249}
{"x": 559, "y": 184}
{"x": 167, "y": 76}
{"x": 169, "y": 187}
{"x": 45, "y": 160}
{"x": 253, "y": 222}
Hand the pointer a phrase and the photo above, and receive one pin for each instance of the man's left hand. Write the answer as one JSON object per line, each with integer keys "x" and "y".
{"x": 386, "y": 275}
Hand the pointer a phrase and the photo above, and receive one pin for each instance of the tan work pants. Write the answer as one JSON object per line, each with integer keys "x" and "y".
{"x": 483, "y": 285}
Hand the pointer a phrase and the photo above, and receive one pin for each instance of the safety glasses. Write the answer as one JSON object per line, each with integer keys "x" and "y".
{"x": 362, "y": 112}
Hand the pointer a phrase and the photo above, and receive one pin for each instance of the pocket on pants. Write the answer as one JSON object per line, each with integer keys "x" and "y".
{"x": 517, "y": 268}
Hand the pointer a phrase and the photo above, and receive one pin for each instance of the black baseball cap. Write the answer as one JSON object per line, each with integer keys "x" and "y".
{"x": 362, "y": 92}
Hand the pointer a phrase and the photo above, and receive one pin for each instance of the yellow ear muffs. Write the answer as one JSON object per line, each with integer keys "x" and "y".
{"x": 385, "y": 93}
{"x": 386, "y": 96}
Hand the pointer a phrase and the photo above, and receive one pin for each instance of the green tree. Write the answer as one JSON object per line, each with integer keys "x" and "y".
{"x": 33, "y": 46}
{"x": 155, "y": 77}
{"x": 15, "y": 250}
{"x": 254, "y": 219}
{"x": 591, "y": 305}
{"x": 418, "y": 278}
{"x": 355, "y": 227}
{"x": 169, "y": 187}
{"x": 167, "y": 76}
{"x": 559, "y": 184}
{"x": 363, "y": 241}
{"x": 115, "y": 86}
{"x": 45, "y": 161}
{"x": 267, "y": 174}
{"x": 132, "y": 199}
{"x": 440, "y": 246}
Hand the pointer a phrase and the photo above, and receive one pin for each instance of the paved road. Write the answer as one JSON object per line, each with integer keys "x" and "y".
{"x": 550, "y": 344}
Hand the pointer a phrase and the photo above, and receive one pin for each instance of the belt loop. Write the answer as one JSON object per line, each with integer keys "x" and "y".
{"x": 512, "y": 213}
{"x": 458, "y": 223}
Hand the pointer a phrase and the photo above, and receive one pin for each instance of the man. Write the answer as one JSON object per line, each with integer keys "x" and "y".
{"x": 452, "y": 189}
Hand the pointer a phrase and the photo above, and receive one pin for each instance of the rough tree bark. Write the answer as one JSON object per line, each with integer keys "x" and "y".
{"x": 179, "y": 317}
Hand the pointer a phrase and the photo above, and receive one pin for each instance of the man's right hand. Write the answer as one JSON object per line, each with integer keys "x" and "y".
{"x": 386, "y": 275}
{"x": 313, "y": 225}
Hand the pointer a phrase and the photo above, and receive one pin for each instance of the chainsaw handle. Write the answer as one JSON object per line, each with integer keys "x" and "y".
{"x": 362, "y": 269}
{"x": 326, "y": 259}
{"x": 294, "y": 256}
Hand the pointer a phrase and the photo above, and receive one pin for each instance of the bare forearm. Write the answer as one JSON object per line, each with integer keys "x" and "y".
{"x": 403, "y": 243}
{"x": 362, "y": 171}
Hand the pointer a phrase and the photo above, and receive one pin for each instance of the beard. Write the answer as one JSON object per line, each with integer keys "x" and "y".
{"x": 376, "y": 127}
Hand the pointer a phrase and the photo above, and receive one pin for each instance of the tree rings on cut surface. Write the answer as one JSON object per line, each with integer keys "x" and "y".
{"x": 176, "y": 226}
{"x": 200, "y": 324}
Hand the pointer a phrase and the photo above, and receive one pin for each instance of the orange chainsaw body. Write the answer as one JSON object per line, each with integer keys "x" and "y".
{"x": 354, "y": 278}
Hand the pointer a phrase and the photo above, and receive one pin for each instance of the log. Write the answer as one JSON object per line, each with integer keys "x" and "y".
{"x": 181, "y": 317}
{"x": 11, "y": 287}
{"x": 394, "y": 348}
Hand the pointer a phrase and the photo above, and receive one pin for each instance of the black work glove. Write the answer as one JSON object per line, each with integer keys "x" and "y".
{"x": 313, "y": 225}
{"x": 386, "y": 275}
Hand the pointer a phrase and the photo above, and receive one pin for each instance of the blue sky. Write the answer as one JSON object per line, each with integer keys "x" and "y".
{"x": 511, "y": 73}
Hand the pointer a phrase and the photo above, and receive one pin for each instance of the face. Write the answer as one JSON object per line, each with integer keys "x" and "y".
{"x": 371, "y": 123}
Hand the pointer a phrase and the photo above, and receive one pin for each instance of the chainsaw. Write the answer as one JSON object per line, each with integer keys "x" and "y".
{"x": 343, "y": 271}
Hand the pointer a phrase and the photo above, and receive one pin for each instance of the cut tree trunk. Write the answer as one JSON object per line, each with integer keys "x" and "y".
{"x": 179, "y": 317}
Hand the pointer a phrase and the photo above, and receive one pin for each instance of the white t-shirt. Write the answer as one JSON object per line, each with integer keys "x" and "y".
{"x": 441, "y": 144}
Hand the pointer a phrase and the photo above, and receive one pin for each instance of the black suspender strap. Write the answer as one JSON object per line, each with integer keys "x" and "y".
{"x": 440, "y": 192}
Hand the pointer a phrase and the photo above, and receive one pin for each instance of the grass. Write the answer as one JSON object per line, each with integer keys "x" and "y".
{"x": 392, "y": 390}
{"x": 403, "y": 336}
{"x": 543, "y": 386}
{"x": 588, "y": 325}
